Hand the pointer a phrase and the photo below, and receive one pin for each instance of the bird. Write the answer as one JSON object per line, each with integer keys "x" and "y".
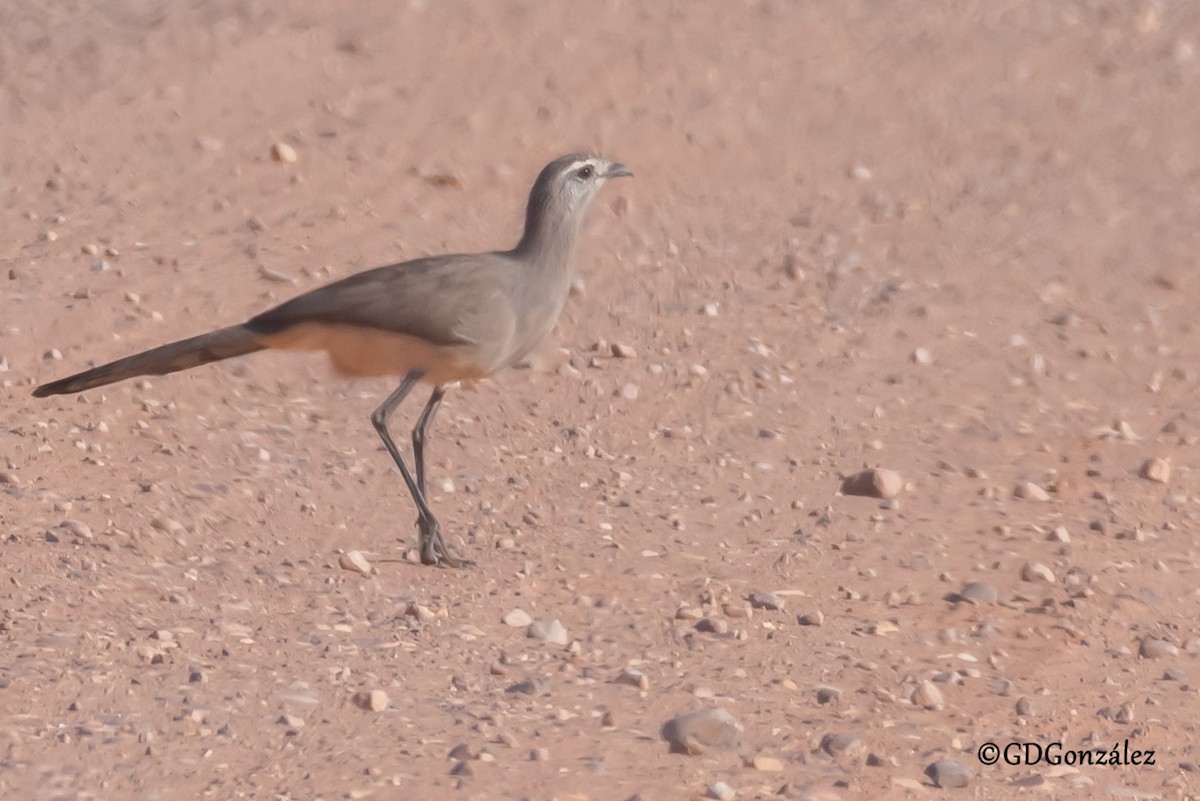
{"x": 438, "y": 320}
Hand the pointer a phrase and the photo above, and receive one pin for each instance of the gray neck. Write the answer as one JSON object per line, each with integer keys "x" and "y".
{"x": 549, "y": 238}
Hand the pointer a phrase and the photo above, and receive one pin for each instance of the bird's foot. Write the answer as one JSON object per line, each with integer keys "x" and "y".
{"x": 434, "y": 550}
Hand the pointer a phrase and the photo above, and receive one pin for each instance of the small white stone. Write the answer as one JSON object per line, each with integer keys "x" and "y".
{"x": 548, "y": 631}
{"x": 721, "y": 791}
{"x": 1030, "y": 492}
{"x": 814, "y": 618}
{"x": 518, "y": 619}
{"x": 1156, "y": 470}
{"x": 927, "y": 696}
{"x": 354, "y": 560}
{"x": 284, "y": 153}
{"x": 634, "y": 678}
{"x": 78, "y": 528}
{"x": 1036, "y": 571}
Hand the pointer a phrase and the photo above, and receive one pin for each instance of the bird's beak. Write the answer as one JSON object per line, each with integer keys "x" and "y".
{"x": 618, "y": 171}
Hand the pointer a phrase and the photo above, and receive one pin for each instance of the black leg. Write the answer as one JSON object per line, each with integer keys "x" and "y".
{"x": 433, "y": 547}
{"x": 420, "y": 434}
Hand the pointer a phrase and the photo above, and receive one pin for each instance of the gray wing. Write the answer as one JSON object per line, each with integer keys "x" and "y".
{"x": 441, "y": 299}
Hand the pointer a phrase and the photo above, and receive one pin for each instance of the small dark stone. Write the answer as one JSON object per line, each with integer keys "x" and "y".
{"x": 766, "y": 600}
{"x": 948, "y": 773}
{"x": 979, "y": 592}
{"x": 827, "y": 695}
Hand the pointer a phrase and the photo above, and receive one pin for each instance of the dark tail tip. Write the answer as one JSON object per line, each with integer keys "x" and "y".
{"x": 43, "y": 391}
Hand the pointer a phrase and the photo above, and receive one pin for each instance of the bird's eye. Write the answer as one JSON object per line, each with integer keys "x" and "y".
{"x": 585, "y": 172}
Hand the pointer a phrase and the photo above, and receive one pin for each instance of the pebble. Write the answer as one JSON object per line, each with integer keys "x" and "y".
{"x": 78, "y": 528}
{"x": 721, "y": 791}
{"x": 712, "y": 625}
{"x": 736, "y": 611}
{"x": 422, "y": 613}
{"x": 539, "y": 755}
{"x": 694, "y": 732}
{"x": 372, "y": 701}
{"x": 518, "y": 619}
{"x": 284, "y": 153}
{"x": 1152, "y": 648}
{"x": 168, "y": 525}
{"x": 927, "y": 696}
{"x": 980, "y": 592}
{"x": 1024, "y": 707}
{"x": 548, "y": 630}
{"x": 844, "y": 747}
{"x": 634, "y": 678}
{"x": 529, "y": 687}
{"x": 766, "y": 600}
{"x": 1036, "y": 571}
{"x": 766, "y": 764}
{"x": 816, "y": 618}
{"x": 1156, "y": 470}
{"x": 621, "y": 351}
{"x": 1030, "y": 492}
{"x": 355, "y": 561}
{"x": 1060, "y": 534}
{"x": 827, "y": 695}
{"x": 873, "y": 483}
{"x": 1132, "y": 792}
{"x": 947, "y": 773}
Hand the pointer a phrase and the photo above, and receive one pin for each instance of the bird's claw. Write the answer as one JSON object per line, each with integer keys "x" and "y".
{"x": 434, "y": 550}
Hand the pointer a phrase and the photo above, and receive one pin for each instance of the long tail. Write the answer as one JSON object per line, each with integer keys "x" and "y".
{"x": 211, "y": 347}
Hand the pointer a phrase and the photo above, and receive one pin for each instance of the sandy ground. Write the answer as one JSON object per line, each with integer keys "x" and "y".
{"x": 954, "y": 240}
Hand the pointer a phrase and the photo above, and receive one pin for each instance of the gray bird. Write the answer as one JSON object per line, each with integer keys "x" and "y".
{"x": 441, "y": 320}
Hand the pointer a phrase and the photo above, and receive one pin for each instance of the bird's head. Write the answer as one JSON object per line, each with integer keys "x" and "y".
{"x": 562, "y": 193}
{"x": 568, "y": 184}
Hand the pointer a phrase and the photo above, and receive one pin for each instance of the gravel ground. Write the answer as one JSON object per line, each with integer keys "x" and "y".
{"x": 955, "y": 244}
